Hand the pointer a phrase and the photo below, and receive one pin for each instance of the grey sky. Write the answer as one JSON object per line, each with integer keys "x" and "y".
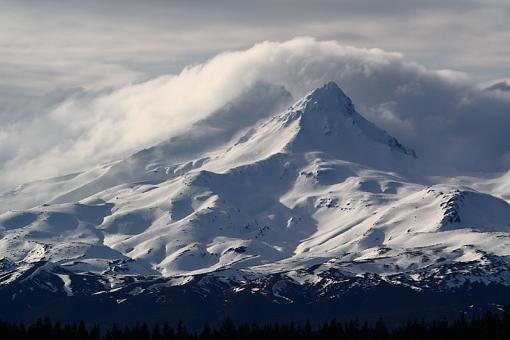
{"x": 49, "y": 44}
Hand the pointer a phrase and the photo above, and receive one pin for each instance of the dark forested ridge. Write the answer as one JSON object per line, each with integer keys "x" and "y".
{"x": 489, "y": 326}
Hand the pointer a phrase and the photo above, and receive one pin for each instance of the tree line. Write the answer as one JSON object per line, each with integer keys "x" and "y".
{"x": 489, "y": 326}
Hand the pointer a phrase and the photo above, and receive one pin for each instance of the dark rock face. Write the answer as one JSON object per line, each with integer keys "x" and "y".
{"x": 40, "y": 291}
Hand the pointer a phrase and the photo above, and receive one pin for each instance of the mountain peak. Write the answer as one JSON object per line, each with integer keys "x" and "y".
{"x": 326, "y": 98}
{"x": 328, "y": 121}
{"x": 330, "y": 89}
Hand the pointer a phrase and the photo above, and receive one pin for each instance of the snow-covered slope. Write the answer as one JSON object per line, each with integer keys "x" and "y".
{"x": 315, "y": 185}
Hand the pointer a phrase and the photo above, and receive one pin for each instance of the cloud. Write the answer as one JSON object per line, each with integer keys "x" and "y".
{"x": 448, "y": 120}
{"x": 499, "y": 86}
{"x": 56, "y": 44}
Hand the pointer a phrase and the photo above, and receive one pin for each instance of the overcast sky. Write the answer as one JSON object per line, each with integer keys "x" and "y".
{"x": 50, "y": 50}
{"x": 46, "y": 45}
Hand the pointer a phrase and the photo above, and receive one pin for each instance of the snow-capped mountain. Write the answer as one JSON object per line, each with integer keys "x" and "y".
{"x": 300, "y": 204}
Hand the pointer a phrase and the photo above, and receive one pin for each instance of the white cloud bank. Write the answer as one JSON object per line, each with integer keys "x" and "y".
{"x": 448, "y": 120}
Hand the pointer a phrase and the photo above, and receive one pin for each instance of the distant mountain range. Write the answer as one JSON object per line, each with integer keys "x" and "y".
{"x": 259, "y": 213}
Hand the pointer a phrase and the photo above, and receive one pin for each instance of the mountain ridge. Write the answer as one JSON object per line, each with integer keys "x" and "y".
{"x": 311, "y": 194}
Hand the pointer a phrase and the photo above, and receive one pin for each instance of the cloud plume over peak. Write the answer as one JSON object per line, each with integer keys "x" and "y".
{"x": 441, "y": 114}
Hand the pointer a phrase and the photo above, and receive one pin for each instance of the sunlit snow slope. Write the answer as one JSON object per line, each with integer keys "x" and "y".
{"x": 258, "y": 190}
